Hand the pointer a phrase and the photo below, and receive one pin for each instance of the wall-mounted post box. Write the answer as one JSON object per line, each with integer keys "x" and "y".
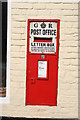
{"x": 42, "y": 61}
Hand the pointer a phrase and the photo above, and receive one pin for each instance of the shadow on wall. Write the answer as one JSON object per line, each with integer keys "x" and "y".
{"x": 11, "y": 118}
{"x": 3, "y": 47}
{"x": 79, "y": 60}
{"x": 0, "y": 43}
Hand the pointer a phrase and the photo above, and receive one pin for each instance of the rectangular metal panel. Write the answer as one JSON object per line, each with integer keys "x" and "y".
{"x": 41, "y": 83}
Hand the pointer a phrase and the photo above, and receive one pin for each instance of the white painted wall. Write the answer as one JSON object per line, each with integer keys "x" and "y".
{"x": 68, "y": 59}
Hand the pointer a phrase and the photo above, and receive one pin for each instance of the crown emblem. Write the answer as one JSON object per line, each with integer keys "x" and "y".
{"x": 43, "y": 25}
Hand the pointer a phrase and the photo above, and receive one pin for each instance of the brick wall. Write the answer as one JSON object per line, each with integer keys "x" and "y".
{"x": 68, "y": 59}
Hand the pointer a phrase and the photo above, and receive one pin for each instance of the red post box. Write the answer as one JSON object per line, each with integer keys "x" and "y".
{"x": 42, "y": 61}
